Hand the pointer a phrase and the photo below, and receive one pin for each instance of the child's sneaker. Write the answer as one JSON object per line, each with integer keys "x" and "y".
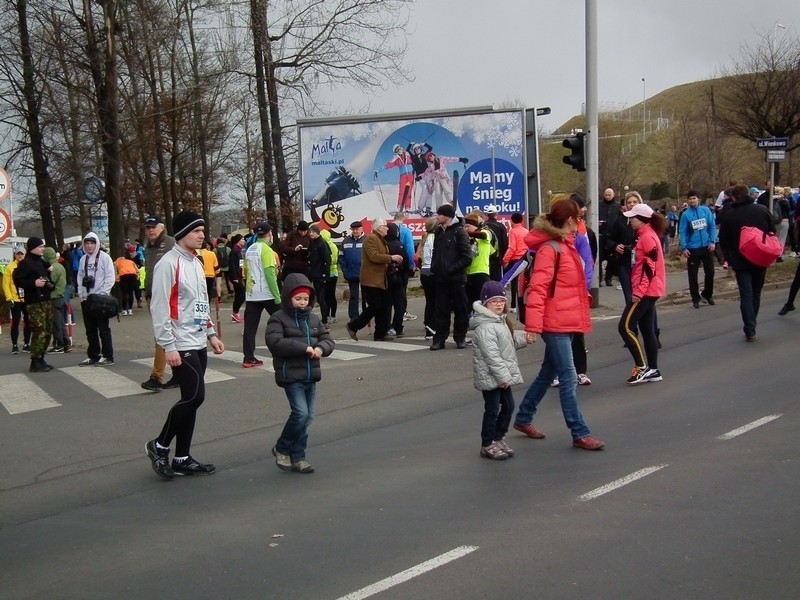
{"x": 653, "y": 375}
{"x": 504, "y": 447}
{"x": 493, "y": 452}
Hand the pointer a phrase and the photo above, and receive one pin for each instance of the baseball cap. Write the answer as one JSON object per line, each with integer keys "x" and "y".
{"x": 152, "y": 221}
{"x": 262, "y": 227}
{"x": 639, "y": 210}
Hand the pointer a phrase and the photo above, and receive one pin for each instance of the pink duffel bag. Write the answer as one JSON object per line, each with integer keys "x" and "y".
{"x": 760, "y": 248}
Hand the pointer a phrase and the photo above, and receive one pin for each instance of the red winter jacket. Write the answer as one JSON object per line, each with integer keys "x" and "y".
{"x": 649, "y": 276}
{"x": 568, "y": 310}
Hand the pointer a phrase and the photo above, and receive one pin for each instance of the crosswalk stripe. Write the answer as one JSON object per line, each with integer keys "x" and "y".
{"x": 397, "y": 347}
{"x": 21, "y": 395}
{"x": 339, "y": 354}
{"x": 104, "y": 381}
{"x": 212, "y": 376}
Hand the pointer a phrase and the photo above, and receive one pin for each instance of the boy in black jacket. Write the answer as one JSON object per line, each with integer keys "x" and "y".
{"x": 297, "y": 340}
{"x": 33, "y": 277}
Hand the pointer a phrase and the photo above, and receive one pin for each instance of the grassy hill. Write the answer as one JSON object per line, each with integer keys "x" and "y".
{"x": 682, "y": 148}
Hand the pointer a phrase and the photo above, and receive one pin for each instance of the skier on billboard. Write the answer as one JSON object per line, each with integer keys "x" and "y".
{"x": 403, "y": 162}
{"x": 438, "y": 187}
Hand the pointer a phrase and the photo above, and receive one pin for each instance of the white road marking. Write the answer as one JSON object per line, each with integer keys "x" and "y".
{"x": 745, "y": 428}
{"x": 397, "y": 347}
{"x": 104, "y": 381}
{"x": 21, "y": 395}
{"x": 403, "y": 576}
{"x": 610, "y": 487}
{"x": 338, "y": 354}
{"x": 212, "y": 376}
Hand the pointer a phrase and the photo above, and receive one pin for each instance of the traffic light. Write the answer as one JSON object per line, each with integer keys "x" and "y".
{"x": 577, "y": 160}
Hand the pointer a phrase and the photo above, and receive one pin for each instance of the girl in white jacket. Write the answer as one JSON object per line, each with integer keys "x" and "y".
{"x": 495, "y": 366}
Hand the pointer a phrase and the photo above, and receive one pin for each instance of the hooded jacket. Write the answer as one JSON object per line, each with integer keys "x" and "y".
{"x": 10, "y": 289}
{"x": 58, "y": 274}
{"x": 494, "y": 349}
{"x": 179, "y": 306}
{"x": 649, "y": 274}
{"x": 99, "y": 265}
{"x": 741, "y": 213}
{"x": 451, "y": 253}
{"x": 326, "y": 235}
{"x": 290, "y": 331}
{"x": 568, "y": 309}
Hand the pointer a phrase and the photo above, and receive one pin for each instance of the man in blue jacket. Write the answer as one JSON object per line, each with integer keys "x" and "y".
{"x": 350, "y": 262}
{"x": 698, "y": 238}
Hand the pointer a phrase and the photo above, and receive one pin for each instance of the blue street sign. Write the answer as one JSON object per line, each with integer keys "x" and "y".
{"x": 772, "y": 143}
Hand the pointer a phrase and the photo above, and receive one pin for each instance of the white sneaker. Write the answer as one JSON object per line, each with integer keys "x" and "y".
{"x": 555, "y": 383}
{"x": 391, "y": 331}
{"x": 583, "y": 379}
{"x": 512, "y": 310}
{"x": 409, "y": 317}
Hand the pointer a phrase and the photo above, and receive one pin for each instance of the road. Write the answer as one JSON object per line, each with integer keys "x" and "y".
{"x": 672, "y": 508}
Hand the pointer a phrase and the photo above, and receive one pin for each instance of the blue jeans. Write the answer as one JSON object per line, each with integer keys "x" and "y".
{"x": 557, "y": 361}
{"x": 294, "y": 437}
{"x": 498, "y": 406}
{"x": 750, "y": 283}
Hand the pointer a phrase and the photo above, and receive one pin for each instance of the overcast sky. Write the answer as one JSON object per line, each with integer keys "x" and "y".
{"x": 468, "y": 53}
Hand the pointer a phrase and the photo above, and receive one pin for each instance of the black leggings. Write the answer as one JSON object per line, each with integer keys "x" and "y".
{"x": 795, "y": 286}
{"x": 181, "y": 418}
{"x": 640, "y": 315}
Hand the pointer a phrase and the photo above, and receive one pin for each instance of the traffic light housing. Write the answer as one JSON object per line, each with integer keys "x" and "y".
{"x": 577, "y": 160}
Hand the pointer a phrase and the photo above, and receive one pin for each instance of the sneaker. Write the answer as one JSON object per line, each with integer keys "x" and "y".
{"x": 331, "y": 320}
{"x": 67, "y": 349}
{"x": 588, "y": 443}
{"x": 191, "y": 467}
{"x": 302, "y": 466}
{"x": 637, "y": 375}
{"x": 504, "y": 447}
{"x": 619, "y": 287}
{"x": 725, "y": 265}
{"x": 512, "y": 310}
{"x": 461, "y": 345}
{"x": 427, "y": 337}
{"x": 391, "y": 331}
{"x": 88, "y": 362}
{"x": 282, "y": 460}
{"x": 159, "y": 459}
{"x": 653, "y": 375}
{"x": 583, "y": 379}
{"x": 493, "y": 452}
{"x": 26, "y": 348}
{"x": 172, "y": 383}
{"x": 105, "y": 362}
{"x": 235, "y": 318}
{"x": 555, "y": 383}
{"x": 695, "y": 305}
{"x": 351, "y": 333}
{"x": 529, "y": 430}
{"x": 14, "y": 349}
{"x": 57, "y": 350}
{"x": 152, "y": 385}
{"x": 249, "y": 363}
{"x": 707, "y": 299}
{"x": 409, "y": 317}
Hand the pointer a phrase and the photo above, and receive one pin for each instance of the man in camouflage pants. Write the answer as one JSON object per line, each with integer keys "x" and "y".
{"x": 33, "y": 276}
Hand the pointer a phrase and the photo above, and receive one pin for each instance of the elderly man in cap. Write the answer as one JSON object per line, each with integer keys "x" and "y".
{"x": 158, "y": 244}
{"x": 295, "y": 251}
{"x": 350, "y": 263}
{"x": 451, "y": 257}
{"x": 375, "y": 260}
{"x": 260, "y": 274}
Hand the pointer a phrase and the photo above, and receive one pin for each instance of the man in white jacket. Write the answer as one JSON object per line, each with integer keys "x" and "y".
{"x": 182, "y": 326}
{"x": 96, "y": 275}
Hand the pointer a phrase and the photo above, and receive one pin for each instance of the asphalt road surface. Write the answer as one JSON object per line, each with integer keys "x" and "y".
{"x": 694, "y": 496}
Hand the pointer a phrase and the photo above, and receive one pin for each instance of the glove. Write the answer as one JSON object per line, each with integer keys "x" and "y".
{"x": 463, "y": 159}
{"x": 418, "y": 178}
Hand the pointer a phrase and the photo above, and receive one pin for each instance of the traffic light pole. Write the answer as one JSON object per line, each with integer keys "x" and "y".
{"x": 591, "y": 145}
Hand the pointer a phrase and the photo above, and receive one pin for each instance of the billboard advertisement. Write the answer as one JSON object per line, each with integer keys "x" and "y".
{"x": 364, "y": 168}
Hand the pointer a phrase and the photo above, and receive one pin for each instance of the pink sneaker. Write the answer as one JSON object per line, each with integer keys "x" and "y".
{"x": 235, "y": 318}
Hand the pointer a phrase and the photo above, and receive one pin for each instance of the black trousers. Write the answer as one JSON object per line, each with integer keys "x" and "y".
{"x": 19, "y": 312}
{"x": 98, "y": 335}
{"x": 181, "y": 418}
{"x": 697, "y": 257}
{"x": 377, "y": 305}
{"x": 451, "y": 297}
{"x": 252, "y": 319}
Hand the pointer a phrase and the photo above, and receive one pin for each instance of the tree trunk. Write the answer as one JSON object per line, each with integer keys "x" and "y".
{"x": 277, "y": 145}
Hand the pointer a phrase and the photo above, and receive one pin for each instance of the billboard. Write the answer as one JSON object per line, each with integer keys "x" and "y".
{"x": 369, "y": 167}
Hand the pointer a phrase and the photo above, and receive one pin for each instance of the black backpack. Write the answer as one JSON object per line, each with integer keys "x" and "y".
{"x": 223, "y": 253}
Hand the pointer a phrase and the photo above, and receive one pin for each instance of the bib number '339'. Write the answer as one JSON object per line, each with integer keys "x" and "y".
{"x": 201, "y": 315}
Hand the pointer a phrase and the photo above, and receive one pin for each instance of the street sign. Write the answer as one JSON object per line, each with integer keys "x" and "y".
{"x": 772, "y": 143}
{"x": 776, "y": 155}
{"x": 5, "y": 184}
{"x": 5, "y": 225}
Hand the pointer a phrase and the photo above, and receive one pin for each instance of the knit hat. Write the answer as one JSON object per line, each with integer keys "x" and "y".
{"x": 315, "y": 228}
{"x": 303, "y": 289}
{"x": 33, "y": 243}
{"x": 302, "y": 226}
{"x": 691, "y": 193}
{"x": 492, "y": 290}
{"x": 184, "y": 222}
{"x": 446, "y": 210}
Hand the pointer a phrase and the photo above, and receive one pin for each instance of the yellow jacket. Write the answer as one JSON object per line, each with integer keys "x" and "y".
{"x": 9, "y": 288}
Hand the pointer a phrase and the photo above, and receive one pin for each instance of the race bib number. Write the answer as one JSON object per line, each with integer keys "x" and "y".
{"x": 201, "y": 315}
{"x": 699, "y": 224}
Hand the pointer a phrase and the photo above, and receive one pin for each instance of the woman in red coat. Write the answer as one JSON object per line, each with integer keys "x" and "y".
{"x": 556, "y": 307}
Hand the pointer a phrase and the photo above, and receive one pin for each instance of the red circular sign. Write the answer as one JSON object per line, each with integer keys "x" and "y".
{"x": 5, "y": 225}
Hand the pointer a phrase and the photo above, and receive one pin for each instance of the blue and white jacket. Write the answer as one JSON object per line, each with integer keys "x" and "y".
{"x": 697, "y": 228}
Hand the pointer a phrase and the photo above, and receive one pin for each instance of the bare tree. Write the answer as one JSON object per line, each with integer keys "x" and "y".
{"x": 761, "y": 97}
